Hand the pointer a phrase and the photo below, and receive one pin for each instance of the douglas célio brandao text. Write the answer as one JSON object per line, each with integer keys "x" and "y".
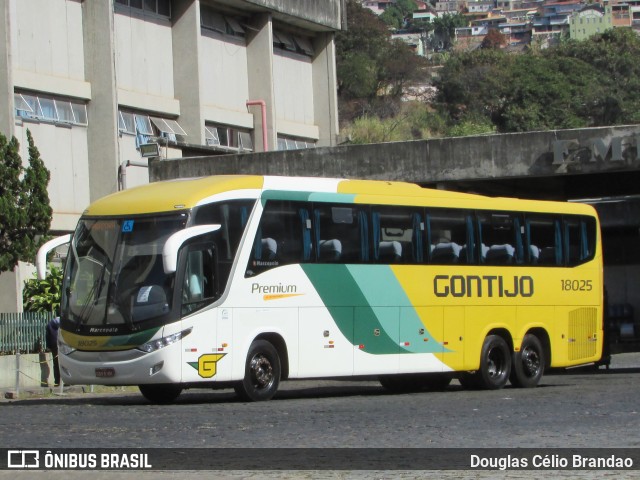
{"x": 550, "y": 461}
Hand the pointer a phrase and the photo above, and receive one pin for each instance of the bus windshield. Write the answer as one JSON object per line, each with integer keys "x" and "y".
{"x": 114, "y": 272}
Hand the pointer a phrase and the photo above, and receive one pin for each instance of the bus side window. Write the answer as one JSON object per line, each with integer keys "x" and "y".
{"x": 199, "y": 285}
{"x": 283, "y": 236}
{"x": 449, "y": 236}
{"x": 544, "y": 240}
{"x": 579, "y": 239}
{"x": 501, "y": 241}
{"x": 397, "y": 235}
{"x": 340, "y": 233}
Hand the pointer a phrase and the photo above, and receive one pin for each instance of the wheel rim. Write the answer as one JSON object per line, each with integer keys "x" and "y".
{"x": 496, "y": 363}
{"x": 261, "y": 372}
{"x": 530, "y": 362}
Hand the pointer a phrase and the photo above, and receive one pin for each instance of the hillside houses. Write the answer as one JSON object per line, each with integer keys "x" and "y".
{"x": 522, "y": 22}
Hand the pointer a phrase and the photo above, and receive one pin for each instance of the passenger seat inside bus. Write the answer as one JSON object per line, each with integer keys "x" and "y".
{"x": 389, "y": 251}
{"x": 534, "y": 254}
{"x": 500, "y": 254}
{"x": 269, "y": 249}
{"x": 446, "y": 252}
{"x": 330, "y": 250}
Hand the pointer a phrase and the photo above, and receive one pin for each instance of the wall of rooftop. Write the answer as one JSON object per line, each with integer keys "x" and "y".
{"x": 537, "y": 154}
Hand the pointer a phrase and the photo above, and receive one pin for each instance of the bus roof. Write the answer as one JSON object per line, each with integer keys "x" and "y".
{"x": 184, "y": 194}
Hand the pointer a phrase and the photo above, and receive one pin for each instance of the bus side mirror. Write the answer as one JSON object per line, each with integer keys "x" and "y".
{"x": 175, "y": 241}
{"x": 41, "y": 258}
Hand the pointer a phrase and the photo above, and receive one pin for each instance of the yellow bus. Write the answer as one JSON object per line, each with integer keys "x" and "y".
{"x": 244, "y": 281}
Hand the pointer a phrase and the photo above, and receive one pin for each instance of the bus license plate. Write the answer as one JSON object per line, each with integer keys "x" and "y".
{"x": 105, "y": 372}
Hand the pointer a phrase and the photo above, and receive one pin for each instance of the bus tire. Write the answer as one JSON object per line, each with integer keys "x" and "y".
{"x": 527, "y": 366}
{"x": 495, "y": 363}
{"x": 261, "y": 374}
{"x": 161, "y": 394}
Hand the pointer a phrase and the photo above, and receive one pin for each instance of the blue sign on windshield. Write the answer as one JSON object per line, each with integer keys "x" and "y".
{"x": 127, "y": 226}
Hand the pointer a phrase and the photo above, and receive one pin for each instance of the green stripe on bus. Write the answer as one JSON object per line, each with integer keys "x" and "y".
{"x": 369, "y": 322}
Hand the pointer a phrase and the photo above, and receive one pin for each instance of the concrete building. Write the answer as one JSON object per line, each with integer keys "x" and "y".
{"x": 589, "y": 21}
{"x": 93, "y": 80}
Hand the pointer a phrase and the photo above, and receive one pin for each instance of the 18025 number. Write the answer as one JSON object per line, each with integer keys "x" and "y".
{"x": 577, "y": 285}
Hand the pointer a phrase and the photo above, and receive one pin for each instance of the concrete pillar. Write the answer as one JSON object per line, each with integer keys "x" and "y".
{"x": 7, "y": 120}
{"x": 325, "y": 90}
{"x": 186, "y": 67}
{"x": 100, "y": 71}
{"x": 260, "y": 68}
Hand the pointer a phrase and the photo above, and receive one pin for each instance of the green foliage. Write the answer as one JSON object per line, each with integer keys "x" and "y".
{"x": 397, "y": 14}
{"x": 373, "y": 71}
{"x": 469, "y": 127}
{"x": 415, "y": 121}
{"x": 25, "y": 213}
{"x": 369, "y": 129}
{"x": 43, "y": 295}
{"x": 590, "y": 83}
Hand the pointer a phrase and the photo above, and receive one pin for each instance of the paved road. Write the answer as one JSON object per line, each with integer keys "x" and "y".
{"x": 577, "y": 409}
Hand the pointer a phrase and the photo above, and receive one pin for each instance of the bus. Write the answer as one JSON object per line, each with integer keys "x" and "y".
{"x": 246, "y": 281}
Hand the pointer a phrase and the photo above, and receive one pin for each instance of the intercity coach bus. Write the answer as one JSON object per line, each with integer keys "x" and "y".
{"x": 244, "y": 281}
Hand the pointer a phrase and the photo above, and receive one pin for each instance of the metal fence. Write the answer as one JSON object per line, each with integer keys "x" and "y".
{"x": 23, "y": 332}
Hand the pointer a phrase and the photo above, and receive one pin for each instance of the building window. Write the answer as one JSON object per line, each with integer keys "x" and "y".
{"x": 154, "y": 7}
{"x": 292, "y": 143}
{"x": 226, "y": 25}
{"x": 228, "y": 137}
{"x": 168, "y": 128}
{"x": 48, "y": 108}
{"x": 148, "y": 129}
{"x": 293, "y": 43}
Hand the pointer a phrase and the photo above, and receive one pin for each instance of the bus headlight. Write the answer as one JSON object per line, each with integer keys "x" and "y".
{"x": 159, "y": 343}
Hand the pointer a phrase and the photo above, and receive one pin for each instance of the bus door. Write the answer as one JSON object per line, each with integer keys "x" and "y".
{"x": 198, "y": 287}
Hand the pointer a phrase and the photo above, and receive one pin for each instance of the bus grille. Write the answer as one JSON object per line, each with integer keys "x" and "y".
{"x": 583, "y": 325}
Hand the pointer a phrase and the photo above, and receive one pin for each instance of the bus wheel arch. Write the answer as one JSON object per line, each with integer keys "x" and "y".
{"x": 530, "y": 361}
{"x": 262, "y": 372}
{"x": 495, "y": 362}
{"x": 280, "y": 345}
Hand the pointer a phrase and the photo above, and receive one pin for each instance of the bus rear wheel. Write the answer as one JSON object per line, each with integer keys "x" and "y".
{"x": 528, "y": 364}
{"x": 160, "y": 393}
{"x": 261, "y": 374}
{"x": 495, "y": 365}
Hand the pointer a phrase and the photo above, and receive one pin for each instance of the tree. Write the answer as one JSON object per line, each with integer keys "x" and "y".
{"x": 25, "y": 212}
{"x": 373, "y": 71}
{"x": 445, "y": 29}
{"x": 398, "y": 14}
{"x": 43, "y": 295}
{"x": 493, "y": 39}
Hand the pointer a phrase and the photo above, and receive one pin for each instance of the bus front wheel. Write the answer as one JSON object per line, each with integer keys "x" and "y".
{"x": 160, "y": 393}
{"x": 495, "y": 365}
{"x": 528, "y": 364}
{"x": 261, "y": 374}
